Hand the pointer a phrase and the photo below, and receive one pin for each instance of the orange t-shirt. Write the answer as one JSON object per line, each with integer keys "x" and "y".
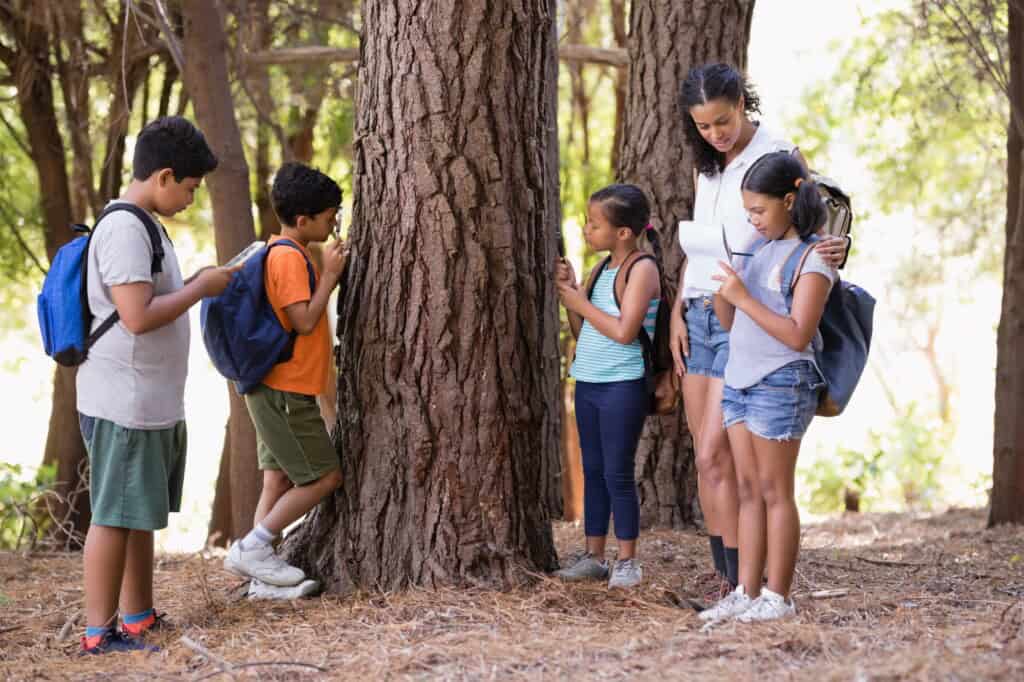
{"x": 287, "y": 282}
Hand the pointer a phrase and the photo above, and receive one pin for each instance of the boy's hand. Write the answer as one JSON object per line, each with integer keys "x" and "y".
{"x": 335, "y": 256}
{"x": 214, "y": 280}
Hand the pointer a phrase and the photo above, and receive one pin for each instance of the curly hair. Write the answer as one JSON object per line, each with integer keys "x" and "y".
{"x": 301, "y": 190}
{"x": 702, "y": 85}
{"x": 172, "y": 142}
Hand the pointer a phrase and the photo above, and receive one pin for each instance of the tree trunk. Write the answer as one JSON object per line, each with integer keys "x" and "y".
{"x": 448, "y": 380}
{"x": 667, "y": 38}
{"x": 1008, "y": 464}
{"x": 29, "y": 63}
{"x": 206, "y": 72}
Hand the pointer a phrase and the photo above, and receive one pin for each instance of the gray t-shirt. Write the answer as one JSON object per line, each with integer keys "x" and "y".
{"x": 135, "y": 381}
{"x": 753, "y": 352}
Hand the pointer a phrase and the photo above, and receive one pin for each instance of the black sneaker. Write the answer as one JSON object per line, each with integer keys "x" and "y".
{"x": 113, "y": 641}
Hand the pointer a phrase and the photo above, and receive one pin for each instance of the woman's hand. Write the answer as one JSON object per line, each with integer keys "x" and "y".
{"x": 833, "y": 250}
{"x": 679, "y": 342}
{"x": 733, "y": 290}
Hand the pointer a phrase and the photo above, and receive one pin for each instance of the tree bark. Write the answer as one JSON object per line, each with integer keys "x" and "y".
{"x": 1008, "y": 464}
{"x": 667, "y": 38}
{"x": 448, "y": 380}
{"x": 29, "y": 24}
{"x": 206, "y": 72}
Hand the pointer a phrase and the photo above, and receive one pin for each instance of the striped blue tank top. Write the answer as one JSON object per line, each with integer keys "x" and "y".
{"x": 600, "y": 360}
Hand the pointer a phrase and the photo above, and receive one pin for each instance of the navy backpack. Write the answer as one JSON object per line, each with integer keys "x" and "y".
{"x": 63, "y": 305}
{"x": 242, "y": 334}
{"x": 845, "y": 329}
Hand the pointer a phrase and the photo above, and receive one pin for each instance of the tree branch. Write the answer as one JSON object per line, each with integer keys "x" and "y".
{"x": 12, "y": 223}
{"x": 585, "y": 54}
{"x": 14, "y": 136}
{"x": 172, "y": 39}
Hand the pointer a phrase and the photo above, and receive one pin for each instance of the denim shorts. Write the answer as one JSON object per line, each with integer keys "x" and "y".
{"x": 780, "y": 406}
{"x": 709, "y": 341}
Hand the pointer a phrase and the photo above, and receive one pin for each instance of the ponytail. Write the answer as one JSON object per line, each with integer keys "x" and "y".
{"x": 780, "y": 173}
{"x": 655, "y": 241}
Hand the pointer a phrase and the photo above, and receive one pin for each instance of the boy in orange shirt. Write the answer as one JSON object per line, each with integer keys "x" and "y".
{"x": 299, "y": 463}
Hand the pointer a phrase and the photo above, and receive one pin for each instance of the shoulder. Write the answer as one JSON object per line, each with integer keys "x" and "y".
{"x": 121, "y": 226}
{"x": 285, "y": 257}
{"x": 644, "y": 270}
{"x": 769, "y": 140}
{"x": 815, "y": 263}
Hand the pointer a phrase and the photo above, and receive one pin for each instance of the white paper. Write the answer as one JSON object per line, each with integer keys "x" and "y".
{"x": 245, "y": 253}
{"x": 704, "y": 246}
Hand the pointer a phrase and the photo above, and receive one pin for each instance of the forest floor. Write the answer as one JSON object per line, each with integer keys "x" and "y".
{"x": 879, "y": 597}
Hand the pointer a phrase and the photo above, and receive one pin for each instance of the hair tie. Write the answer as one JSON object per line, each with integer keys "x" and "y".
{"x": 649, "y": 227}
{"x": 798, "y": 181}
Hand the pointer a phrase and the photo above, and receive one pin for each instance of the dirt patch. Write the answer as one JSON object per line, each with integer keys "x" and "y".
{"x": 898, "y": 597}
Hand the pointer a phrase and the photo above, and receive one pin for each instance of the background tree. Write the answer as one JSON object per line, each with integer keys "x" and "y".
{"x": 448, "y": 396}
{"x": 666, "y": 39}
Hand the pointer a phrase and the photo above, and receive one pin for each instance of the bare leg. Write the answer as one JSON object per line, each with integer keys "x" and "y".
{"x": 695, "y": 391}
{"x": 299, "y": 500}
{"x": 137, "y": 583}
{"x": 714, "y": 462}
{"x": 596, "y": 545}
{"x": 103, "y": 561}
{"x": 275, "y": 485}
{"x": 751, "y": 510}
{"x": 776, "y": 462}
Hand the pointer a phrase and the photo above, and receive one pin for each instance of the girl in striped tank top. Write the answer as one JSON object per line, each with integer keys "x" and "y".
{"x": 611, "y": 395}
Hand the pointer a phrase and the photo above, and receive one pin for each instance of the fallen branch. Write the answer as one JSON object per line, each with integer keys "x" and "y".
{"x": 68, "y": 624}
{"x": 882, "y": 562}
{"x": 829, "y": 594}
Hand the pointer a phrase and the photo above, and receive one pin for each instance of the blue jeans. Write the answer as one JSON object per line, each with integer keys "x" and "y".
{"x": 610, "y": 418}
{"x": 780, "y": 406}
{"x": 709, "y": 341}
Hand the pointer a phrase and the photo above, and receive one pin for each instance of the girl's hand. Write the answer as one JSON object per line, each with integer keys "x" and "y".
{"x": 571, "y": 297}
{"x": 833, "y": 250}
{"x": 679, "y": 343}
{"x": 733, "y": 290}
{"x": 564, "y": 272}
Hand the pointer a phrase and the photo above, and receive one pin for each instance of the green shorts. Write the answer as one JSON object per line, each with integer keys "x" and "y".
{"x": 291, "y": 435}
{"x": 135, "y": 475}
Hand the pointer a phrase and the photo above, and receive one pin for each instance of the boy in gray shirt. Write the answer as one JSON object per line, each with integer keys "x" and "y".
{"x": 131, "y": 386}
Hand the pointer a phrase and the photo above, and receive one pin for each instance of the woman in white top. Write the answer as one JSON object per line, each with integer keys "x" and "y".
{"x": 717, "y": 105}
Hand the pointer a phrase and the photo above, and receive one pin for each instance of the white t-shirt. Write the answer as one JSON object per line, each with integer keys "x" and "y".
{"x": 719, "y": 200}
{"x": 135, "y": 381}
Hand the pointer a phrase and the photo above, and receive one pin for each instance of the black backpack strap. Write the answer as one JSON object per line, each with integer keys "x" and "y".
{"x": 156, "y": 266}
{"x": 646, "y": 343}
{"x": 595, "y": 275}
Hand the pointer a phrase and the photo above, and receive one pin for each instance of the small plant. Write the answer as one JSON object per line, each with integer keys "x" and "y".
{"x": 23, "y": 518}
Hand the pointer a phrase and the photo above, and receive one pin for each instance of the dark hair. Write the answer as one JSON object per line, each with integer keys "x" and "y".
{"x": 172, "y": 142}
{"x": 702, "y": 85}
{"x": 301, "y": 190}
{"x": 627, "y": 206}
{"x": 776, "y": 174}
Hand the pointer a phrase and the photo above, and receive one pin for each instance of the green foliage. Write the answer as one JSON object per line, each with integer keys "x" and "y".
{"x": 899, "y": 469}
{"x": 22, "y": 520}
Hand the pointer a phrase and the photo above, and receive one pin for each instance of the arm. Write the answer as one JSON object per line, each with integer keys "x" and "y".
{"x": 304, "y": 315}
{"x": 642, "y": 287}
{"x": 724, "y": 311}
{"x": 564, "y": 274}
{"x": 140, "y": 311}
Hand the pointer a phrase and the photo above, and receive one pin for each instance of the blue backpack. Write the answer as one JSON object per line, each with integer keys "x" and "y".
{"x": 241, "y": 332}
{"x": 63, "y": 305}
{"x": 845, "y": 329}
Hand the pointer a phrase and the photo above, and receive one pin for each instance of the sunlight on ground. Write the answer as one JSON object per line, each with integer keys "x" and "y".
{"x": 967, "y": 343}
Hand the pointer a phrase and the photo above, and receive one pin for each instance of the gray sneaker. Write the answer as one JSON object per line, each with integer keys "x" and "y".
{"x": 586, "y": 567}
{"x": 627, "y": 574}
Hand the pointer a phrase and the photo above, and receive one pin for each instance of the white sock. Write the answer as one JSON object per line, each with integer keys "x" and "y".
{"x": 258, "y": 538}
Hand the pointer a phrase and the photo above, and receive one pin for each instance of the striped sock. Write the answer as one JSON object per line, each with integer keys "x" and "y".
{"x": 137, "y": 623}
{"x": 93, "y": 636}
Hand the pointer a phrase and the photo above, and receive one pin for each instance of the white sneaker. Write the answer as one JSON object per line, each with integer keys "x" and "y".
{"x": 769, "y": 606}
{"x": 262, "y": 564}
{"x": 261, "y": 590}
{"x": 730, "y": 606}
